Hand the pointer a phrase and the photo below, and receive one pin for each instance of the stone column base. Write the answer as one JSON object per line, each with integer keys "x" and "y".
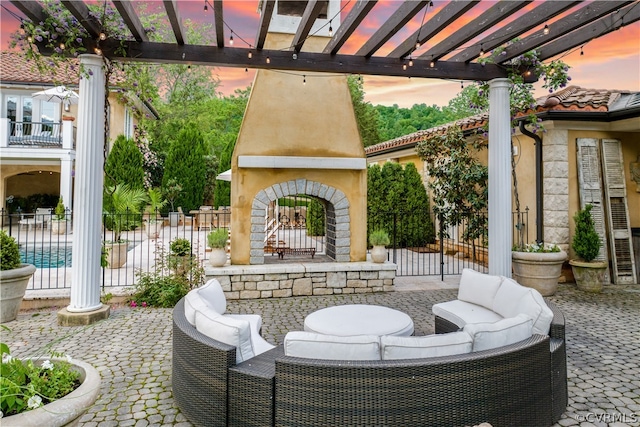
{"x": 67, "y": 318}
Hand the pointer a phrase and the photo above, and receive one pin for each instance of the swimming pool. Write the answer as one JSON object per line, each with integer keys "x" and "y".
{"x": 46, "y": 256}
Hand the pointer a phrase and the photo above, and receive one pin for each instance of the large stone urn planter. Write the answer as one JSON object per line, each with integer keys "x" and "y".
{"x": 378, "y": 254}
{"x": 59, "y": 226}
{"x": 116, "y": 254}
{"x": 589, "y": 276}
{"x": 13, "y": 284}
{"x": 153, "y": 228}
{"x": 67, "y": 410}
{"x": 218, "y": 257}
{"x": 538, "y": 270}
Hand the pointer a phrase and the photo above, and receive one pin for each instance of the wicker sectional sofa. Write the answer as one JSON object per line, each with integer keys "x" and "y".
{"x": 519, "y": 384}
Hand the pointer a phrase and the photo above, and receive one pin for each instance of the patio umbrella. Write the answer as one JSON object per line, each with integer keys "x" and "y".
{"x": 224, "y": 176}
{"x": 58, "y": 94}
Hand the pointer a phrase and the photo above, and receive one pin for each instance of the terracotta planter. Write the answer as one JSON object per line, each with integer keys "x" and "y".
{"x": 13, "y": 284}
{"x": 67, "y": 410}
{"x": 378, "y": 254}
{"x": 538, "y": 270}
{"x": 116, "y": 254}
{"x": 589, "y": 276}
{"x": 218, "y": 257}
{"x": 59, "y": 226}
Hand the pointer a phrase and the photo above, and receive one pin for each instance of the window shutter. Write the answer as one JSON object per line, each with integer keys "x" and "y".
{"x": 621, "y": 246}
{"x": 590, "y": 189}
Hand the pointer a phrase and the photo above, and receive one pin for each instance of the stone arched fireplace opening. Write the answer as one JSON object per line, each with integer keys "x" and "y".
{"x": 337, "y": 218}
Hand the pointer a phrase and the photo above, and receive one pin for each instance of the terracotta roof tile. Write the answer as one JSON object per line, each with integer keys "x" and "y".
{"x": 572, "y": 98}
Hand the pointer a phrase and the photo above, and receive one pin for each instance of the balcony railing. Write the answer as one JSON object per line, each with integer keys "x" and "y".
{"x": 37, "y": 134}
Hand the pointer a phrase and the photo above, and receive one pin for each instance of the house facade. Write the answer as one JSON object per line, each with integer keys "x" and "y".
{"x": 38, "y": 138}
{"x": 590, "y": 154}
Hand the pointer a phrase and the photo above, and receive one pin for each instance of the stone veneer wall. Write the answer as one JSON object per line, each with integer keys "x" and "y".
{"x": 555, "y": 158}
{"x": 287, "y": 280}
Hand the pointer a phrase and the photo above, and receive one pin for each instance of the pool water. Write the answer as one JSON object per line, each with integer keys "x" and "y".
{"x": 47, "y": 257}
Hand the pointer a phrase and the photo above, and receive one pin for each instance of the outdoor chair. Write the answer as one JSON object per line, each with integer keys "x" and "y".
{"x": 44, "y": 215}
{"x": 184, "y": 219}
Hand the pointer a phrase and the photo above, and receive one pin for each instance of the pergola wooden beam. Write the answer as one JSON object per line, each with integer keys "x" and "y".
{"x": 311, "y": 13}
{"x": 589, "y": 13}
{"x": 524, "y": 23}
{"x": 614, "y": 21}
{"x": 349, "y": 25}
{"x": 449, "y": 13}
{"x": 265, "y": 18}
{"x": 405, "y": 12}
{"x": 171, "y": 6}
{"x": 81, "y": 13}
{"x": 125, "y": 9}
{"x": 305, "y": 62}
{"x": 31, "y": 9}
{"x": 491, "y": 17}
{"x": 219, "y": 22}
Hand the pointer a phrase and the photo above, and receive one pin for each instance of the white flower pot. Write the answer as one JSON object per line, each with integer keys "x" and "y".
{"x": 13, "y": 284}
{"x": 67, "y": 410}
{"x": 218, "y": 257}
{"x": 379, "y": 254}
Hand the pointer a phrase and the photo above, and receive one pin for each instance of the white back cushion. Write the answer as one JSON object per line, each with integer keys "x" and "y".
{"x": 503, "y": 332}
{"x": 394, "y": 348}
{"x": 478, "y": 288}
{"x": 513, "y": 299}
{"x": 227, "y": 330}
{"x": 193, "y": 302}
{"x": 330, "y": 347}
{"x": 213, "y": 294}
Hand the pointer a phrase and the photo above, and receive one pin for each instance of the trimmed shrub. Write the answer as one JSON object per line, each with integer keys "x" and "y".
{"x": 9, "y": 252}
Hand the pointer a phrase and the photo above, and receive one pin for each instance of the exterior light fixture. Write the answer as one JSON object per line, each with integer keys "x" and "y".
{"x": 545, "y": 30}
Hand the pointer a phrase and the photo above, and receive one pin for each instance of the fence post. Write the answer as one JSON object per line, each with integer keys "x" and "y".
{"x": 441, "y": 233}
{"x": 395, "y": 231}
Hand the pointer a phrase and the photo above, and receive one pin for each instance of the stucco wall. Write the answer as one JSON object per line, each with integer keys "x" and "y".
{"x": 285, "y": 117}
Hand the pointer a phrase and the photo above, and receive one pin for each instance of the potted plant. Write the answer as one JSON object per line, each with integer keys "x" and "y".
{"x": 538, "y": 266}
{"x": 217, "y": 241}
{"x": 379, "y": 239}
{"x": 180, "y": 256}
{"x": 46, "y": 391}
{"x": 59, "y": 224}
{"x": 171, "y": 192}
{"x": 589, "y": 274}
{"x": 123, "y": 213}
{"x": 14, "y": 277}
{"x": 155, "y": 202}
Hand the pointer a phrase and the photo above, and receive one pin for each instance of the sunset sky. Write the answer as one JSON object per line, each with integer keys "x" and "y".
{"x": 610, "y": 62}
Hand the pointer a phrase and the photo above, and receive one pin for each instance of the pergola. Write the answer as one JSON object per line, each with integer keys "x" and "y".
{"x": 551, "y": 27}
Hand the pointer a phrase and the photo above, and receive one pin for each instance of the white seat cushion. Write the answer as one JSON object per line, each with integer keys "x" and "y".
{"x": 394, "y": 348}
{"x": 513, "y": 299}
{"x": 478, "y": 288}
{"x": 213, "y": 294}
{"x": 461, "y": 313}
{"x": 227, "y": 330}
{"x": 255, "y": 320}
{"x": 194, "y": 302}
{"x": 503, "y": 332}
{"x": 330, "y": 347}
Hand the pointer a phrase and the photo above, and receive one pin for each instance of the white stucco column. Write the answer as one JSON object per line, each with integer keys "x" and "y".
{"x": 85, "y": 276}
{"x": 66, "y": 170}
{"x": 500, "y": 239}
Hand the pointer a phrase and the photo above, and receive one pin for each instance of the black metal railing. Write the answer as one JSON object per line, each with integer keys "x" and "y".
{"x": 48, "y": 134}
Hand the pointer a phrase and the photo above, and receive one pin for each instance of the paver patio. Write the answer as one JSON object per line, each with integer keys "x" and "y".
{"x": 132, "y": 349}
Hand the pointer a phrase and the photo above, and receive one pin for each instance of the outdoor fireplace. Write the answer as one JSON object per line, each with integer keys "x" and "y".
{"x": 299, "y": 136}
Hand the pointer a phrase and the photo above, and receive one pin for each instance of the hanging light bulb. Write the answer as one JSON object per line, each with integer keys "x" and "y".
{"x": 250, "y": 55}
{"x": 432, "y": 64}
{"x": 97, "y": 51}
{"x": 304, "y": 79}
{"x": 189, "y": 67}
{"x": 410, "y": 62}
{"x": 268, "y": 60}
{"x": 417, "y": 45}
{"x": 102, "y": 35}
{"x": 330, "y": 29}
{"x": 545, "y": 30}
{"x": 404, "y": 67}
{"x": 461, "y": 84}
{"x": 231, "y": 39}
{"x": 581, "y": 51}
{"x": 205, "y": 6}
{"x": 62, "y": 46}
{"x": 246, "y": 70}
{"x": 481, "y": 49}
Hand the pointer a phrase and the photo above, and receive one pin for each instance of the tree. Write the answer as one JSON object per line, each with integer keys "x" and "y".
{"x": 124, "y": 164}
{"x": 366, "y": 115}
{"x": 315, "y": 218}
{"x": 185, "y": 163}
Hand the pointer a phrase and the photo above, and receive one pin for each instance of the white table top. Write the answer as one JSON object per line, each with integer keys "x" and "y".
{"x": 359, "y": 319}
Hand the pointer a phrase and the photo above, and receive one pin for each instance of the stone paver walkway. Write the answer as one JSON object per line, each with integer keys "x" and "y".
{"x": 132, "y": 350}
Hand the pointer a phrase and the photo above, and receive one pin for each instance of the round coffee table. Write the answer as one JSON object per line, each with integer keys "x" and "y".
{"x": 359, "y": 319}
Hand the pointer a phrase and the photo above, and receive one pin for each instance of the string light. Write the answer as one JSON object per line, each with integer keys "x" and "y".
{"x": 304, "y": 79}
{"x": 330, "y": 29}
{"x": 97, "y": 51}
{"x": 250, "y": 55}
{"x": 410, "y": 62}
{"x": 432, "y": 63}
{"x": 268, "y": 60}
{"x": 205, "y": 6}
{"x": 481, "y": 49}
{"x": 231, "y": 39}
{"x": 404, "y": 67}
{"x": 102, "y": 35}
{"x": 62, "y": 46}
{"x": 417, "y": 45}
{"x": 581, "y": 51}
{"x": 545, "y": 30}
{"x": 246, "y": 70}
{"x": 461, "y": 84}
